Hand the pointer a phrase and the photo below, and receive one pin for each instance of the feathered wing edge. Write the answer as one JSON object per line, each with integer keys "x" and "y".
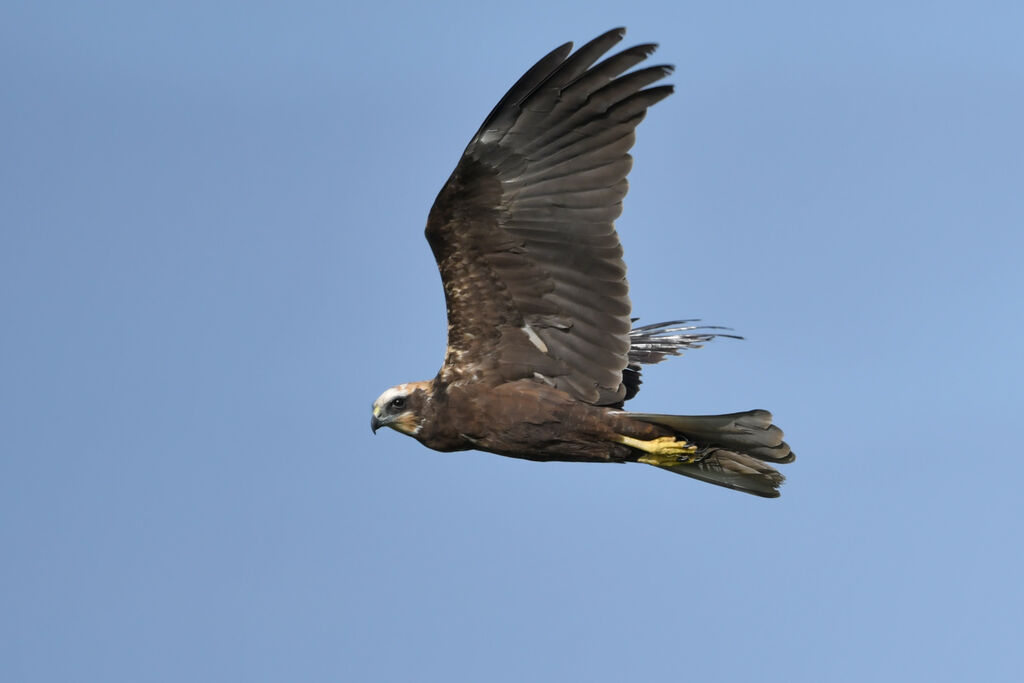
{"x": 651, "y": 344}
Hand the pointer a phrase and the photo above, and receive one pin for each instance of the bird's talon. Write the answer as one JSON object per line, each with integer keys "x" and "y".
{"x": 665, "y": 451}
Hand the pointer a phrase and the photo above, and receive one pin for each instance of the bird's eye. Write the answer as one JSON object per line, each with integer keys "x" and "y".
{"x": 398, "y": 403}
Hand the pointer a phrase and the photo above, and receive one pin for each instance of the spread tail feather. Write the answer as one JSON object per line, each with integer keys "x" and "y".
{"x": 733, "y": 450}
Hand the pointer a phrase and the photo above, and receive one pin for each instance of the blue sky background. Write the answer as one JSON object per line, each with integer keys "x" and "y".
{"x": 211, "y": 262}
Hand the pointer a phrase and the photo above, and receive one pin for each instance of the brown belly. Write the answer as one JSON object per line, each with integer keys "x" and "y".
{"x": 534, "y": 421}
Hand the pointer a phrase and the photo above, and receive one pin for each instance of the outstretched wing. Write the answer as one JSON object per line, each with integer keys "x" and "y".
{"x": 523, "y": 231}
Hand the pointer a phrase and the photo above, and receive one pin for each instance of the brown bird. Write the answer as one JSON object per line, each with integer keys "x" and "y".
{"x": 541, "y": 354}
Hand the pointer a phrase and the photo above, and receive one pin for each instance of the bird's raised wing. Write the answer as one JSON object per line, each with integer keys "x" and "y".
{"x": 523, "y": 231}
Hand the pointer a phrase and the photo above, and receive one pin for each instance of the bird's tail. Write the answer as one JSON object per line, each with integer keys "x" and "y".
{"x": 733, "y": 450}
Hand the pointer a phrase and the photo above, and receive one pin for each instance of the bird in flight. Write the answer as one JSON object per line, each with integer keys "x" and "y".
{"x": 542, "y": 352}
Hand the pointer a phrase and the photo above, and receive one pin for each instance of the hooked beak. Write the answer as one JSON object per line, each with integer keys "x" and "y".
{"x": 375, "y": 423}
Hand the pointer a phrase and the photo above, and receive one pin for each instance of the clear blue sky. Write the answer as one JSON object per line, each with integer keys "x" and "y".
{"x": 212, "y": 261}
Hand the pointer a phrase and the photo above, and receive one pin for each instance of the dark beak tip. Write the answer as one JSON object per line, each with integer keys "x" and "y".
{"x": 374, "y": 424}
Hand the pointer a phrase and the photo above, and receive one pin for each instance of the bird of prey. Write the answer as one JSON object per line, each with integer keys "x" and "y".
{"x": 541, "y": 350}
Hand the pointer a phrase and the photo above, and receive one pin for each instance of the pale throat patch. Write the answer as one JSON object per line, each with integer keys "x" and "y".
{"x": 407, "y": 424}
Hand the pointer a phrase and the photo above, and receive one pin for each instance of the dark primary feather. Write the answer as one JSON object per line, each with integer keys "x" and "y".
{"x": 523, "y": 231}
{"x": 651, "y": 344}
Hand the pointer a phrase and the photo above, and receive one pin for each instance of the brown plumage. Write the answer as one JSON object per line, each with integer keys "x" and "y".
{"x": 541, "y": 351}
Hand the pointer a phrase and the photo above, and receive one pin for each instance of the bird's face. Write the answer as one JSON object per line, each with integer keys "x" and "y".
{"x": 399, "y": 408}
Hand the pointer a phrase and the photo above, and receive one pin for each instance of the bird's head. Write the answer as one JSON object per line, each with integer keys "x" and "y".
{"x": 400, "y": 408}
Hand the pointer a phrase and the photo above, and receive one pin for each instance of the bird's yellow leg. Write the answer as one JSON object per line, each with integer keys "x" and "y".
{"x": 665, "y": 451}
